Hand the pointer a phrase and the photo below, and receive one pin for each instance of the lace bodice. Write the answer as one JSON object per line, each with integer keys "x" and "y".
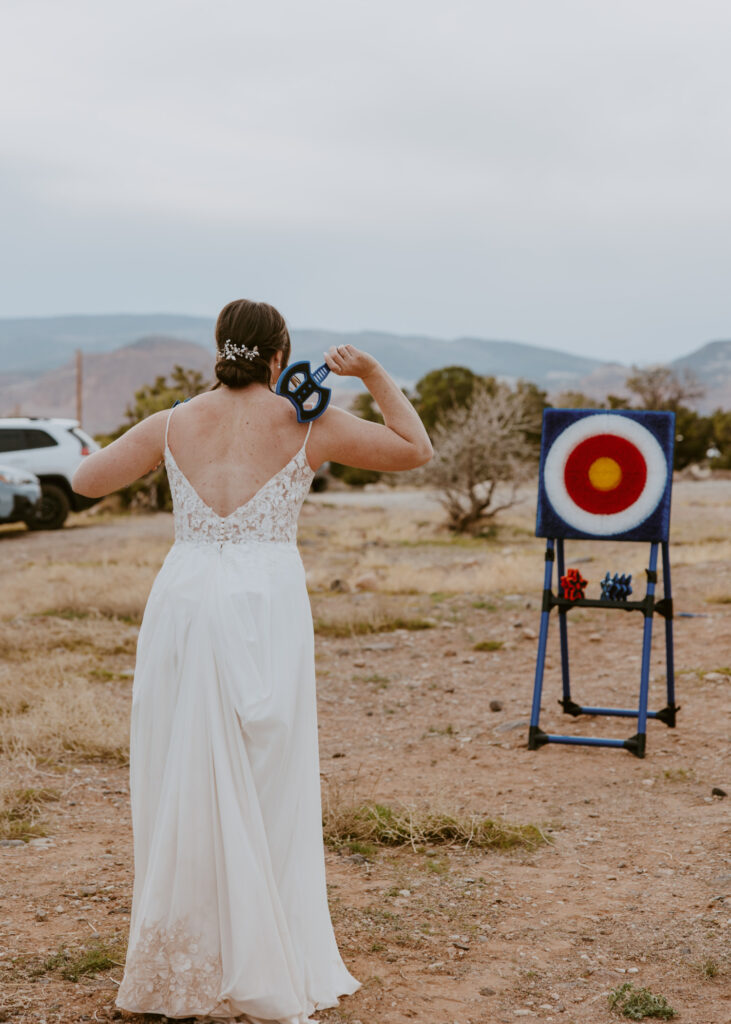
{"x": 270, "y": 515}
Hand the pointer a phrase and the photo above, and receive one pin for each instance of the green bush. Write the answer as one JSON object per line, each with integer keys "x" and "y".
{"x": 636, "y": 1004}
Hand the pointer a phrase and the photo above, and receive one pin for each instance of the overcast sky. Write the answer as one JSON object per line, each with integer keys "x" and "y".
{"x": 552, "y": 172}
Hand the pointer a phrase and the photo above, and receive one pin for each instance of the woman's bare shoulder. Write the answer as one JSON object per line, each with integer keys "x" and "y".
{"x": 215, "y": 412}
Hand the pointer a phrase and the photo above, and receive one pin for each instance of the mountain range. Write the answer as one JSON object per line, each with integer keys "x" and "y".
{"x": 124, "y": 352}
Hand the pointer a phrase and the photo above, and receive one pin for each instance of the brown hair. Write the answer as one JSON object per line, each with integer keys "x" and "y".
{"x": 251, "y": 324}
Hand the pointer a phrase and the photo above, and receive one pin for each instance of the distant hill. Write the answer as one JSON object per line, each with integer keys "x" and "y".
{"x": 712, "y": 365}
{"x": 36, "y": 344}
{"x": 409, "y": 357}
{"x": 122, "y": 353}
{"x": 605, "y": 379}
{"x": 110, "y": 381}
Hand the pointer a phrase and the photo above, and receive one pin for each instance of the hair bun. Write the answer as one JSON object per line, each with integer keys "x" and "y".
{"x": 239, "y": 374}
{"x": 248, "y": 336}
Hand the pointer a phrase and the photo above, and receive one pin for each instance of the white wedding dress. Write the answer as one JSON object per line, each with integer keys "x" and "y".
{"x": 229, "y": 911}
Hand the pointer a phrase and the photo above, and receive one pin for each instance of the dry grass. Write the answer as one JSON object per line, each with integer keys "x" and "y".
{"x": 21, "y": 811}
{"x": 415, "y": 555}
{"x": 97, "y": 955}
{"x": 80, "y": 591}
{"x": 354, "y": 531}
{"x": 370, "y": 825}
{"x": 488, "y": 645}
{"x": 51, "y": 707}
{"x": 418, "y": 556}
{"x": 427, "y": 569}
{"x": 360, "y": 627}
{"x": 65, "y": 716}
{"x": 29, "y": 637}
{"x": 710, "y": 968}
{"x": 114, "y": 585}
{"x": 341, "y": 615}
{"x": 696, "y": 552}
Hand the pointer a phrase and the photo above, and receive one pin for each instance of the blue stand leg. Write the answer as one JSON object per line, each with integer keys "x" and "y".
{"x": 667, "y": 715}
{"x": 637, "y": 742}
{"x": 535, "y": 733}
{"x": 569, "y": 706}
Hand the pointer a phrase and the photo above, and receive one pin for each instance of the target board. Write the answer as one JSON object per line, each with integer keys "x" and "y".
{"x": 605, "y": 474}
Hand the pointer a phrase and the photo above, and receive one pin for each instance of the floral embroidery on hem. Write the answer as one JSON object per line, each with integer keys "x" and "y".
{"x": 166, "y": 972}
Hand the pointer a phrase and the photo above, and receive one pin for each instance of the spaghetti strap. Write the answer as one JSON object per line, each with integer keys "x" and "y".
{"x": 307, "y": 437}
{"x": 167, "y": 425}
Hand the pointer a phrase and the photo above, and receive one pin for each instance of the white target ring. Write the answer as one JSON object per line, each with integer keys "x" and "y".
{"x": 615, "y": 434}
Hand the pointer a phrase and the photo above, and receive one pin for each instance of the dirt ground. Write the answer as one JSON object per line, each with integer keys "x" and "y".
{"x": 633, "y": 882}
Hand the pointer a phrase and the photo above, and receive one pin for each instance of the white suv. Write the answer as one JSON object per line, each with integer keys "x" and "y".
{"x": 52, "y": 449}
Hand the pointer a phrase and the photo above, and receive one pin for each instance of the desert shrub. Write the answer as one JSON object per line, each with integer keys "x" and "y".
{"x": 484, "y": 450}
{"x": 637, "y": 1004}
{"x": 440, "y": 391}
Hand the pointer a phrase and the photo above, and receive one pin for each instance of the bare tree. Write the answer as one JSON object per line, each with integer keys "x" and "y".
{"x": 483, "y": 452}
{"x": 576, "y": 400}
{"x": 661, "y": 387}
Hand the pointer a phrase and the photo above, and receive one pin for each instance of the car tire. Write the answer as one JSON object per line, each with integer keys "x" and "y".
{"x": 51, "y": 511}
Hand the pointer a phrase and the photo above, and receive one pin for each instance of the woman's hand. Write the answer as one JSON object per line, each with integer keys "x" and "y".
{"x": 349, "y": 361}
{"x": 401, "y": 442}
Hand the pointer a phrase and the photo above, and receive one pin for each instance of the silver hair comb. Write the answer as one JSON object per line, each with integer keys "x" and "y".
{"x": 233, "y": 351}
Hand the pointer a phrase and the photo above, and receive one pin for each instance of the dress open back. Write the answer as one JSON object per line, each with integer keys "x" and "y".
{"x": 229, "y": 910}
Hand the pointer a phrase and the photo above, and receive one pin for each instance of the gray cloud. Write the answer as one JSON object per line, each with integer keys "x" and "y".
{"x": 554, "y": 173}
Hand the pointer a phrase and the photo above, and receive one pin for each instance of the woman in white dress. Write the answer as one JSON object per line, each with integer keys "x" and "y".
{"x": 229, "y": 912}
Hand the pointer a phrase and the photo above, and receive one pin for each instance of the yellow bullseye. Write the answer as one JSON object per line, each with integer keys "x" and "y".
{"x": 605, "y": 474}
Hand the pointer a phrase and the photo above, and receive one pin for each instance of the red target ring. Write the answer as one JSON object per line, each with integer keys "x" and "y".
{"x": 605, "y": 474}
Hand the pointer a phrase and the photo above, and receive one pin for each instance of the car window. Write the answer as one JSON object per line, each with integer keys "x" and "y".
{"x": 12, "y": 439}
{"x": 38, "y": 439}
{"x": 82, "y": 436}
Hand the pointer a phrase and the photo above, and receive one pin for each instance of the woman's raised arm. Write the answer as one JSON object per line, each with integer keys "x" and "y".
{"x": 125, "y": 460}
{"x": 401, "y": 443}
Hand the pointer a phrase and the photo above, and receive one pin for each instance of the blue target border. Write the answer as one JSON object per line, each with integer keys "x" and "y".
{"x": 656, "y": 526}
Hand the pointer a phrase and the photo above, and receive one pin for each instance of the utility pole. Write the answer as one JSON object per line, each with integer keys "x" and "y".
{"x": 79, "y": 384}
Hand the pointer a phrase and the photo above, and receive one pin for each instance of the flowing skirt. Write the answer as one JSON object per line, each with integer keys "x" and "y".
{"x": 229, "y": 911}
